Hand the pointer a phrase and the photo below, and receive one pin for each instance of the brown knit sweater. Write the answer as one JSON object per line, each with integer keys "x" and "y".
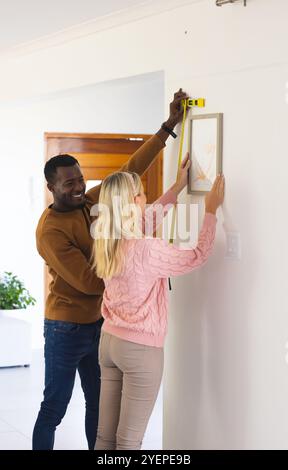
{"x": 64, "y": 242}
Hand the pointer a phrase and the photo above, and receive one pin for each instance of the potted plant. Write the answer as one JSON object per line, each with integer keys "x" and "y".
{"x": 15, "y": 333}
{"x": 13, "y": 294}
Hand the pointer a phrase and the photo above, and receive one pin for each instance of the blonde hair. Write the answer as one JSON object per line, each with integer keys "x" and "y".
{"x": 119, "y": 218}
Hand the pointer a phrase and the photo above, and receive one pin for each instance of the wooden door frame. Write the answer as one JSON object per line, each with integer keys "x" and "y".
{"x": 154, "y": 173}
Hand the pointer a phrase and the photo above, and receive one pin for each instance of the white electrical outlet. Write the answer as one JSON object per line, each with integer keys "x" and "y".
{"x": 233, "y": 248}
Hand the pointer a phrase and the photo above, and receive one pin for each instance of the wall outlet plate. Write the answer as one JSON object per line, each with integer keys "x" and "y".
{"x": 233, "y": 245}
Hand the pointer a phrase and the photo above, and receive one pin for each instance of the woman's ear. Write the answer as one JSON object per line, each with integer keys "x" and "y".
{"x": 137, "y": 199}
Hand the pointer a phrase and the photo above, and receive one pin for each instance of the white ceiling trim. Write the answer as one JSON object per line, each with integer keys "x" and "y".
{"x": 127, "y": 15}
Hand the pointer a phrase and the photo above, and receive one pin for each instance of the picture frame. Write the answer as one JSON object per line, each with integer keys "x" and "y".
{"x": 205, "y": 151}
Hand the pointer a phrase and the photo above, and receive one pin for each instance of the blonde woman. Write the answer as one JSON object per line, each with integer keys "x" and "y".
{"x": 135, "y": 269}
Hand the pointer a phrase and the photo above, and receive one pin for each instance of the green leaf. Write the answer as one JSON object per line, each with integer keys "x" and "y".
{"x": 13, "y": 294}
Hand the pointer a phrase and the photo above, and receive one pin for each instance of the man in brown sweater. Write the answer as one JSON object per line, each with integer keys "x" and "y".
{"x": 73, "y": 308}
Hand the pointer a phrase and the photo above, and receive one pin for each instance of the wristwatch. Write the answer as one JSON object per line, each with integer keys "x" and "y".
{"x": 167, "y": 129}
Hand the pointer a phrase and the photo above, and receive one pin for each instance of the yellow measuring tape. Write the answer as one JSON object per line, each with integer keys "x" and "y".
{"x": 189, "y": 102}
{"x": 186, "y": 103}
{"x": 179, "y": 166}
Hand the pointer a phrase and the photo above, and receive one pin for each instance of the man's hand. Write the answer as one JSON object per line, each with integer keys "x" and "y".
{"x": 176, "y": 115}
{"x": 182, "y": 177}
{"x": 176, "y": 109}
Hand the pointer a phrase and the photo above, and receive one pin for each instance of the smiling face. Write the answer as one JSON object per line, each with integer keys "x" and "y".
{"x": 68, "y": 188}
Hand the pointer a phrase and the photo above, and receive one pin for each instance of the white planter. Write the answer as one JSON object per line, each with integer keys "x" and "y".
{"x": 15, "y": 339}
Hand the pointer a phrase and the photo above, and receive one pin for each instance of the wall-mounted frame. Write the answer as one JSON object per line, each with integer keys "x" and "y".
{"x": 205, "y": 149}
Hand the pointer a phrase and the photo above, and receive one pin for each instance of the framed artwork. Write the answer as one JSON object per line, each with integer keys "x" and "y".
{"x": 205, "y": 149}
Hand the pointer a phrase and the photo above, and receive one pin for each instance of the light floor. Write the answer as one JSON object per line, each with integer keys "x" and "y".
{"x": 20, "y": 396}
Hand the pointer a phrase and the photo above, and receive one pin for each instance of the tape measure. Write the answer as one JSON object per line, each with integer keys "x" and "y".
{"x": 188, "y": 103}
{"x": 200, "y": 102}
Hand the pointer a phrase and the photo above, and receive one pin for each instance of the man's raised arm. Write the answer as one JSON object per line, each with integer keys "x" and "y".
{"x": 140, "y": 161}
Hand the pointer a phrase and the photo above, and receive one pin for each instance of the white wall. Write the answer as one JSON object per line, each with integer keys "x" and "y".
{"x": 228, "y": 321}
{"x": 106, "y": 107}
{"x": 226, "y": 380}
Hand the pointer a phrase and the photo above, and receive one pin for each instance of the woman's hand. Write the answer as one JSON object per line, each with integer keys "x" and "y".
{"x": 215, "y": 197}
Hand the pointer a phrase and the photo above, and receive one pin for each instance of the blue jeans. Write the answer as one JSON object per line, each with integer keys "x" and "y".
{"x": 68, "y": 347}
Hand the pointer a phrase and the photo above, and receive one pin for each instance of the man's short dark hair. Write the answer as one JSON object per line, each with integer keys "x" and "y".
{"x": 51, "y": 166}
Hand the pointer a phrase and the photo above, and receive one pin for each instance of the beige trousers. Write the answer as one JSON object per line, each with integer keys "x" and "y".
{"x": 131, "y": 375}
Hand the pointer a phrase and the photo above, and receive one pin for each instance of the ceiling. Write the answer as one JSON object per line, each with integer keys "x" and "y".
{"x": 22, "y": 21}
